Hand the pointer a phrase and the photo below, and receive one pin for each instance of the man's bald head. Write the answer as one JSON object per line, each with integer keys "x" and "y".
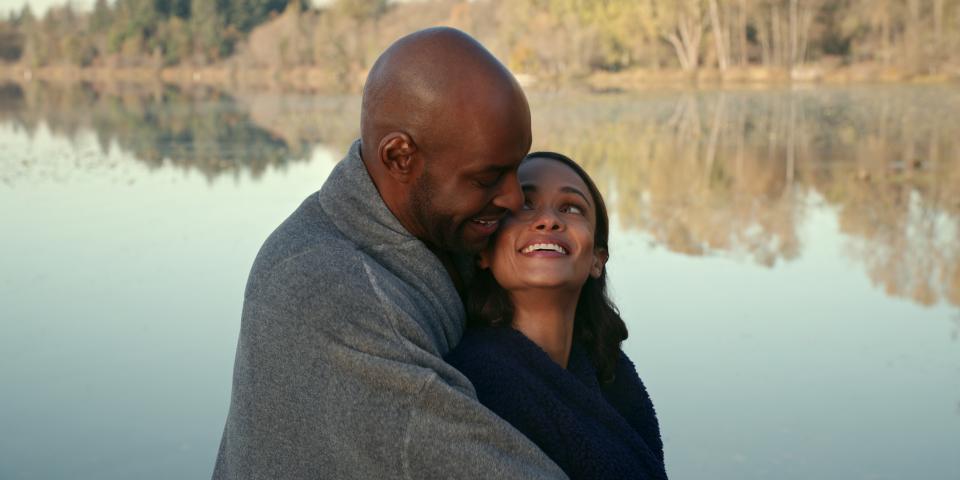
{"x": 426, "y": 81}
{"x": 439, "y": 113}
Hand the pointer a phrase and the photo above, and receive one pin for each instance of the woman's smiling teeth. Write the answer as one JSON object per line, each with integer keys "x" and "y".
{"x": 541, "y": 247}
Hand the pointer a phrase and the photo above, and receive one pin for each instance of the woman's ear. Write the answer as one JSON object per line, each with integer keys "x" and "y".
{"x": 600, "y": 257}
{"x": 483, "y": 260}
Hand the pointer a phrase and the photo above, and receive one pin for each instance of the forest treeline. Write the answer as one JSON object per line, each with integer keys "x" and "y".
{"x": 544, "y": 38}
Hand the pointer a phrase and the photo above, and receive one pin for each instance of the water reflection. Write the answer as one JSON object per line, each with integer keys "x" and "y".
{"x": 708, "y": 173}
{"x": 200, "y": 129}
{"x": 732, "y": 173}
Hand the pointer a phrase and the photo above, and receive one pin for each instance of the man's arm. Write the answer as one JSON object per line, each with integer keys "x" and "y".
{"x": 451, "y": 435}
{"x": 325, "y": 387}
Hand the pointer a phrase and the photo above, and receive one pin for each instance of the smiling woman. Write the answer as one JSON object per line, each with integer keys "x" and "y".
{"x": 543, "y": 350}
{"x": 549, "y": 243}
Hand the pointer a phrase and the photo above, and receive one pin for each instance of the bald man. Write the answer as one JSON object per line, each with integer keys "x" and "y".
{"x": 353, "y": 301}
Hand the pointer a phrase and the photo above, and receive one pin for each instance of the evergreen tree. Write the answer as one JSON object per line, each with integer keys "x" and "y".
{"x": 207, "y": 29}
{"x": 243, "y": 15}
{"x": 101, "y": 17}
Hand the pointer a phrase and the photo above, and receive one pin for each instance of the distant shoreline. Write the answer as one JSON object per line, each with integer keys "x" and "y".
{"x": 307, "y": 79}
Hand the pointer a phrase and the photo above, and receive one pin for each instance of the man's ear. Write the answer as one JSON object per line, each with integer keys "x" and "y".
{"x": 397, "y": 153}
{"x": 600, "y": 257}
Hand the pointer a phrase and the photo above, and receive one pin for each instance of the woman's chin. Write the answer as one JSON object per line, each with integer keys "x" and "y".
{"x": 549, "y": 281}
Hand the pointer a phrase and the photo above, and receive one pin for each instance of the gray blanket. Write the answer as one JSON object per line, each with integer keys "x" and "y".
{"x": 339, "y": 370}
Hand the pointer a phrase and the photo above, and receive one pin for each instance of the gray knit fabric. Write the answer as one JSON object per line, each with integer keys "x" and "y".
{"x": 338, "y": 371}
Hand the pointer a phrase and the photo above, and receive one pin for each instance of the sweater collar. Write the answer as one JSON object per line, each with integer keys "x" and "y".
{"x": 356, "y": 207}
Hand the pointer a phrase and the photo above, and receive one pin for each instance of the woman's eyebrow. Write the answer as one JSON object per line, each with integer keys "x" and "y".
{"x": 576, "y": 191}
{"x": 532, "y": 188}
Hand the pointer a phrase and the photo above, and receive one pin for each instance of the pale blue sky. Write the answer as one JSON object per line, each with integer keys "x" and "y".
{"x": 40, "y": 6}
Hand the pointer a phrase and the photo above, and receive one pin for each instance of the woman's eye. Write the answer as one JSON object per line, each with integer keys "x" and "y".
{"x": 570, "y": 208}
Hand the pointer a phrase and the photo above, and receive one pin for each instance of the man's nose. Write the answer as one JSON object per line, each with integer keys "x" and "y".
{"x": 510, "y": 195}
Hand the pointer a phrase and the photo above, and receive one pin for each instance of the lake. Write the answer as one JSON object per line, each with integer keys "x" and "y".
{"x": 787, "y": 260}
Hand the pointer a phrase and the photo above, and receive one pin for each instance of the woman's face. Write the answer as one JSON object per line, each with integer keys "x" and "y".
{"x": 549, "y": 242}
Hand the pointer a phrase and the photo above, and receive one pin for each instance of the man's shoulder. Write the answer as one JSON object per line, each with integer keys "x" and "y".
{"x": 305, "y": 238}
{"x": 308, "y": 251}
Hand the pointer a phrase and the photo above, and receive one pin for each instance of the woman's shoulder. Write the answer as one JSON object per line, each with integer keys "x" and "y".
{"x": 626, "y": 387}
{"x": 626, "y": 374}
{"x": 629, "y": 396}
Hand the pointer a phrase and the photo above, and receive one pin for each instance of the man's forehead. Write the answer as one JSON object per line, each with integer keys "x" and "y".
{"x": 479, "y": 159}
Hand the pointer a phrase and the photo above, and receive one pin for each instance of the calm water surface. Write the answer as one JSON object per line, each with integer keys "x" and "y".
{"x": 788, "y": 263}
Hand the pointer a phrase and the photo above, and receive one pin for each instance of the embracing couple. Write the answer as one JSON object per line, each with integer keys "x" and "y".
{"x": 438, "y": 309}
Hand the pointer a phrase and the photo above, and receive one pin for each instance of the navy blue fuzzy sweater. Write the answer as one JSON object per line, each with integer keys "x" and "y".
{"x": 590, "y": 431}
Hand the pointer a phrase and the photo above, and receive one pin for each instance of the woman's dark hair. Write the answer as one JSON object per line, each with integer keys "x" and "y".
{"x": 597, "y": 325}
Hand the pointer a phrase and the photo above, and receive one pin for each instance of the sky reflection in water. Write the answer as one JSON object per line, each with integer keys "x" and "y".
{"x": 788, "y": 263}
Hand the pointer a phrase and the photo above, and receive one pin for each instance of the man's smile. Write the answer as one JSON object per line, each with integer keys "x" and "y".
{"x": 487, "y": 224}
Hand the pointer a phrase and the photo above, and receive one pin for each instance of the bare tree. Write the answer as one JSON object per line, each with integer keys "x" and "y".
{"x": 681, "y": 24}
{"x": 718, "y": 37}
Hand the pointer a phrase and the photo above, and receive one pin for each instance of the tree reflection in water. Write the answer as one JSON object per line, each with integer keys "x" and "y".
{"x": 200, "y": 129}
{"x": 703, "y": 173}
{"x": 733, "y": 172}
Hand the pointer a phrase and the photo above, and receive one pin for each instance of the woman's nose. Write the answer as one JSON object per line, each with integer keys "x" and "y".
{"x": 548, "y": 220}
